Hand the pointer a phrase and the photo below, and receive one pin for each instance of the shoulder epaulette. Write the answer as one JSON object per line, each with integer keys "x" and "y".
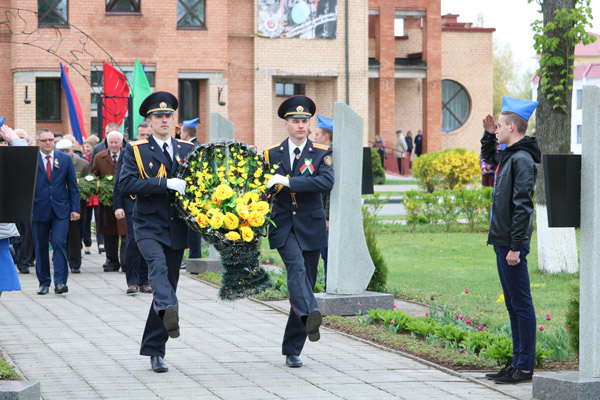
{"x": 185, "y": 141}
{"x": 320, "y": 146}
{"x": 138, "y": 142}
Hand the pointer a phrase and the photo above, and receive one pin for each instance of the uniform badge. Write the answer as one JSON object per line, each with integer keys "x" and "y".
{"x": 150, "y": 165}
{"x": 307, "y": 166}
{"x": 299, "y": 108}
{"x": 163, "y": 105}
{"x": 328, "y": 160}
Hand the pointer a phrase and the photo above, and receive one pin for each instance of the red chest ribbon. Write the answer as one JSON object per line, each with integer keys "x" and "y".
{"x": 307, "y": 166}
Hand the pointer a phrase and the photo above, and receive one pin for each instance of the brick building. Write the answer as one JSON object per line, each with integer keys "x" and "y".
{"x": 401, "y": 66}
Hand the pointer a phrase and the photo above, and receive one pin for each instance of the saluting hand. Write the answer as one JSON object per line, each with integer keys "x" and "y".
{"x": 177, "y": 185}
{"x": 489, "y": 124}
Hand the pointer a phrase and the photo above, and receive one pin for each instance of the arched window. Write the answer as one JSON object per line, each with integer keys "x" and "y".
{"x": 456, "y": 105}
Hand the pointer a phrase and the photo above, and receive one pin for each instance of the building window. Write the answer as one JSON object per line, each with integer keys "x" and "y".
{"x": 456, "y": 105}
{"x": 579, "y": 98}
{"x": 578, "y": 137}
{"x": 398, "y": 27}
{"x": 47, "y": 99}
{"x": 52, "y": 13}
{"x": 288, "y": 89}
{"x": 190, "y": 14}
{"x": 123, "y": 6}
{"x": 188, "y": 99}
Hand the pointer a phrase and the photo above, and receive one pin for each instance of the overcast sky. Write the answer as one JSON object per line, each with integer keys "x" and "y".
{"x": 512, "y": 20}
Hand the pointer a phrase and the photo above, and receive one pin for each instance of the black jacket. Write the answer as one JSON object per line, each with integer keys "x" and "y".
{"x": 512, "y": 205}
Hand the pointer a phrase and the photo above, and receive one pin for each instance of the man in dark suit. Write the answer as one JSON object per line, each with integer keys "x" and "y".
{"x": 305, "y": 170}
{"x": 149, "y": 167}
{"x": 137, "y": 268}
{"x": 103, "y": 144}
{"x": 56, "y": 202}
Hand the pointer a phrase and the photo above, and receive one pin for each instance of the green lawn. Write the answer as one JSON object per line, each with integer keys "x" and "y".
{"x": 444, "y": 265}
{"x": 401, "y": 182}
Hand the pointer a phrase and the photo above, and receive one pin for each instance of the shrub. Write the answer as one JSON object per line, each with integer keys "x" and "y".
{"x": 379, "y": 279}
{"x": 447, "y": 169}
{"x": 573, "y": 316}
{"x": 378, "y": 171}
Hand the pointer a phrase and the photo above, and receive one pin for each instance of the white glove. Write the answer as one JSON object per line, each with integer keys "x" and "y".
{"x": 177, "y": 184}
{"x": 278, "y": 180}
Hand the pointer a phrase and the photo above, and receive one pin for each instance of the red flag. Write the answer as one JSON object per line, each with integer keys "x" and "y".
{"x": 116, "y": 92}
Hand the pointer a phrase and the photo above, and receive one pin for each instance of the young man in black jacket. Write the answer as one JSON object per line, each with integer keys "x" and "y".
{"x": 511, "y": 226}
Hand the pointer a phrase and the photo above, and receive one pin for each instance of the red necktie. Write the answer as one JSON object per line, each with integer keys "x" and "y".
{"x": 48, "y": 168}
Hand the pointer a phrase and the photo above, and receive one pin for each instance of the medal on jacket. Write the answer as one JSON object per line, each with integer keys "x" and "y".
{"x": 56, "y": 163}
{"x": 307, "y": 166}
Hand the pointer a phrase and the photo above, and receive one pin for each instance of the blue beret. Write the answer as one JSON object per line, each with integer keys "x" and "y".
{"x": 298, "y": 106}
{"x": 324, "y": 122}
{"x": 159, "y": 103}
{"x": 523, "y": 108}
{"x": 2, "y": 121}
{"x": 191, "y": 122}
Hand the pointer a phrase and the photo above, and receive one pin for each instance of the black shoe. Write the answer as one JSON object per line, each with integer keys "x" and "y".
{"x": 101, "y": 250}
{"x": 171, "y": 321}
{"x": 75, "y": 271}
{"x": 87, "y": 252}
{"x": 24, "y": 269}
{"x": 43, "y": 290}
{"x": 506, "y": 370}
{"x": 313, "y": 322}
{"x": 293, "y": 361}
{"x": 158, "y": 364}
{"x": 517, "y": 376}
{"x": 60, "y": 288}
{"x": 132, "y": 289}
{"x": 111, "y": 268}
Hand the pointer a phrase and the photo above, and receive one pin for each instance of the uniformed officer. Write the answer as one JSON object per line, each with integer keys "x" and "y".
{"x": 148, "y": 169}
{"x": 305, "y": 170}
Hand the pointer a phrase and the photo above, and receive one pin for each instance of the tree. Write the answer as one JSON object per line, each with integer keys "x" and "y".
{"x": 508, "y": 80}
{"x": 563, "y": 26}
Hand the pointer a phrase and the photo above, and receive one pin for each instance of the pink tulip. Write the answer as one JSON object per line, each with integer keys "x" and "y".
{"x": 392, "y": 322}
{"x": 461, "y": 315}
{"x": 466, "y": 290}
{"x": 427, "y": 314}
{"x": 456, "y": 316}
{"x": 541, "y": 328}
{"x": 468, "y": 320}
{"x": 480, "y": 328}
{"x": 548, "y": 317}
{"x": 268, "y": 261}
{"x": 358, "y": 304}
{"x": 394, "y": 306}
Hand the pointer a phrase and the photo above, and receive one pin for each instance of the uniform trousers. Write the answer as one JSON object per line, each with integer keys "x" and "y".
{"x": 301, "y": 267}
{"x": 137, "y": 269}
{"x": 195, "y": 244}
{"x": 517, "y": 297}
{"x": 163, "y": 272}
{"x": 54, "y": 230}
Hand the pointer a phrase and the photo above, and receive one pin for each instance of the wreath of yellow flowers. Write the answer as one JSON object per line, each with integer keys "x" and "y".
{"x": 226, "y": 194}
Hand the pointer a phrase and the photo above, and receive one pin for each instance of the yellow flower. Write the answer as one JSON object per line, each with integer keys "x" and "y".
{"x": 500, "y": 299}
{"x": 242, "y": 211}
{"x": 258, "y": 173}
{"x": 223, "y": 192}
{"x": 241, "y": 163}
{"x": 217, "y": 219}
{"x": 247, "y": 234}
{"x": 233, "y": 236}
{"x": 231, "y": 221}
{"x": 202, "y": 220}
{"x": 256, "y": 219}
{"x": 261, "y": 207}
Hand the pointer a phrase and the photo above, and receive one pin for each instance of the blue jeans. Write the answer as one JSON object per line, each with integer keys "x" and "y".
{"x": 517, "y": 296}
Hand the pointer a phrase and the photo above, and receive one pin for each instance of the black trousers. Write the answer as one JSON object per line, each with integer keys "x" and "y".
{"x": 74, "y": 244}
{"x": 195, "y": 244}
{"x": 301, "y": 267}
{"x": 163, "y": 269}
{"x": 137, "y": 268}
{"x": 24, "y": 247}
{"x": 113, "y": 253}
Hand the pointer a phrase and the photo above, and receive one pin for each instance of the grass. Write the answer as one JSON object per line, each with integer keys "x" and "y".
{"x": 425, "y": 265}
{"x": 6, "y": 372}
{"x": 401, "y": 182}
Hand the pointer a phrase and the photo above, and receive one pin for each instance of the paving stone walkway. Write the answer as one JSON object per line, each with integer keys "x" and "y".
{"x": 85, "y": 345}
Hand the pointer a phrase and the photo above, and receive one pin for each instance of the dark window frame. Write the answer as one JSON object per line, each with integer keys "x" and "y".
{"x": 185, "y": 114}
{"x": 136, "y": 4}
{"x": 57, "y": 100}
{"x": 297, "y": 88}
{"x": 446, "y": 105}
{"x": 189, "y": 11}
{"x": 52, "y": 9}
